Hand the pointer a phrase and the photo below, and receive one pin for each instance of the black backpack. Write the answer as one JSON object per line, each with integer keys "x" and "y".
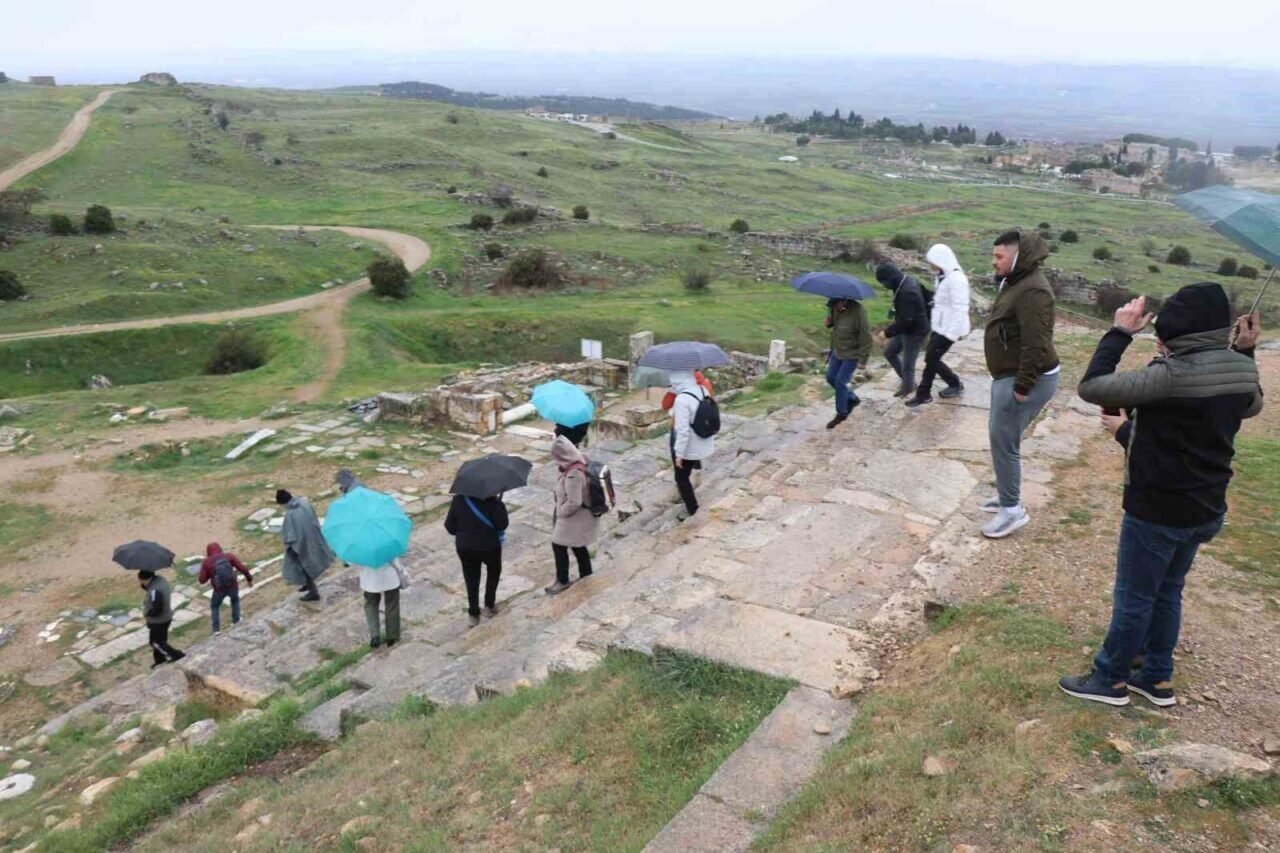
{"x": 224, "y": 574}
{"x": 600, "y": 497}
{"x": 706, "y": 421}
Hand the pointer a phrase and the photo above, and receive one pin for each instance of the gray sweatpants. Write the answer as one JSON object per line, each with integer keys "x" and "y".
{"x": 1006, "y": 423}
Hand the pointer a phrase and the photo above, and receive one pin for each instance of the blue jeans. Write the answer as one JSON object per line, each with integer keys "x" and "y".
{"x": 1146, "y": 607}
{"x": 839, "y": 375}
{"x": 216, "y": 604}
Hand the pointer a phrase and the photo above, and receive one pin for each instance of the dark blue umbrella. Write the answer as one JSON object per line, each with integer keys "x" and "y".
{"x": 833, "y": 285}
{"x": 683, "y": 355}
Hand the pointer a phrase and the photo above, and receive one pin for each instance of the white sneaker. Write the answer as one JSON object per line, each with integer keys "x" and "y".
{"x": 991, "y": 504}
{"x": 1007, "y": 520}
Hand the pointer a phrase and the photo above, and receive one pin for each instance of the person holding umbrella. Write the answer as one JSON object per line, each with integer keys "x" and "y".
{"x": 147, "y": 558}
{"x": 370, "y": 530}
{"x": 568, "y": 407}
{"x": 478, "y": 520}
{"x": 850, "y": 332}
{"x": 306, "y": 553}
{"x": 573, "y": 525}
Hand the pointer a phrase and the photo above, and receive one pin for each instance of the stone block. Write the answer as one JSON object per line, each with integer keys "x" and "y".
{"x": 777, "y": 355}
{"x": 325, "y": 720}
{"x": 705, "y": 826}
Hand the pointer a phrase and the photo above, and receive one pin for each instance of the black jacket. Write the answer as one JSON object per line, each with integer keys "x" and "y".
{"x": 910, "y": 313}
{"x": 469, "y": 532}
{"x": 1184, "y": 412}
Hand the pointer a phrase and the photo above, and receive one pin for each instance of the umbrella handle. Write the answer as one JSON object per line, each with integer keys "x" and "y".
{"x": 1235, "y": 330}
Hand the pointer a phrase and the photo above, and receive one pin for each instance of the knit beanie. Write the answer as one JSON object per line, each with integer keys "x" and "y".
{"x": 889, "y": 275}
{"x": 1202, "y": 307}
{"x": 283, "y": 496}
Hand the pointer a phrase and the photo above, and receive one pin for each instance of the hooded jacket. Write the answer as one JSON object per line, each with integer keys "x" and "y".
{"x": 306, "y": 553}
{"x": 574, "y": 525}
{"x": 347, "y": 481}
{"x": 212, "y": 551}
{"x": 910, "y": 312}
{"x": 687, "y": 444}
{"x": 155, "y": 603}
{"x": 850, "y": 330}
{"x": 950, "y": 316}
{"x": 1019, "y": 334}
{"x": 1184, "y": 412}
{"x": 469, "y": 532}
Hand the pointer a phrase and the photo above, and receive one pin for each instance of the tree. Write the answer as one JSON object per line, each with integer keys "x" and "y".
{"x": 390, "y": 277}
{"x": 1179, "y": 256}
{"x": 1069, "y": 236}
{"x": 1228, "y": 266}
{"x": 235, "y": 352}
{"x": 531, "y": 270}
{"x": 480, "y": 222}
{"x": 1102, "y": 253}
{"x": 739, "y": 226}
{"x": 520, "y": 216}
{"x": 16, "y": 204}
{"x": 1251, "y": 152}
{"x": 580, "y": 212}
{"x": 995, "y": 139}
{"x": 10, "y": 287}
{"x": 98, "y": 220}
{"x": 61, "y": 225}
{"x": 802, "y": 140}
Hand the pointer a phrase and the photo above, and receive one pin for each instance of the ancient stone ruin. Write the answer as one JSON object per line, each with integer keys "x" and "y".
{"x": 159, "y": 78}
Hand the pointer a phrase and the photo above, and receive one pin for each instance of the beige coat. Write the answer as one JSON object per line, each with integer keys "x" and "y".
{"x": 574, "y": 525}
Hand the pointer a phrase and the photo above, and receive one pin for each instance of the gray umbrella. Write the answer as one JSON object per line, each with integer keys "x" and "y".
{"x": 142, "y": 556}
{"x": 684, "y": 355}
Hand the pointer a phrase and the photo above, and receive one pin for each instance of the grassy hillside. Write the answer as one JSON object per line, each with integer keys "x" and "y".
{"x": 32, "y": 116}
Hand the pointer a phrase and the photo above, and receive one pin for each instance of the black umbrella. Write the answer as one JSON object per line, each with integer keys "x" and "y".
{"x": 491, "y": 475}
{"x": 683, "y": 355}
{"x": 143, "y": 556}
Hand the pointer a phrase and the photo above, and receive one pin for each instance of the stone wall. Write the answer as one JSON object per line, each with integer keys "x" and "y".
{"x": 480, "y": 414}
{"x": 1071, "y": 287}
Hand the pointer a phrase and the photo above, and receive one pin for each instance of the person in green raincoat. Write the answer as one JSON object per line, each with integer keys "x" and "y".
{"x": 306, "y": 553}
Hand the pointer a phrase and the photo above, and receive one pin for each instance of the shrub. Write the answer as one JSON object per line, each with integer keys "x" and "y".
{"x": 1044, "y": 226}
{"x": 1148, "y": 245}
{"x": 609, "y": 134}
{"x": 452, "y": 118}
{"x": 697, "y": 277}
{"x": 1053, "y": 248}
{"x": 904, "y": 241}
{"x": 1102, "y": 253}
{"x": 1179, "y": 256}
{"x": 494, "y": 251}
{"x": 1152, "y": 268}
{"x": 802, "y": 140}
{"x": 739, "y": 226}
{"x": 530, "y": 270}
{"x": 10, "y": 287}
{"x": 520, "y": 216}
{"x": 390, "y": 277}
{"x": 580, "y": 212}
{"x": 501, "y": 195}
{"x": 480, "y": 222}
{"x": 61, "y": 224}
{"x": 235, "y": 352}
{"x": 866, "y": 251}
{"x": 1069, "y": 236}
{"x": 1228, "y": 266}
{"x": 451, "y": 190}
{"x": 222, "y": 120}
{"x": 542, "y": 172}
{"x": 98, "y": 220}
{"x": 16, "y": 204}
{"x": 1247, "y": 271}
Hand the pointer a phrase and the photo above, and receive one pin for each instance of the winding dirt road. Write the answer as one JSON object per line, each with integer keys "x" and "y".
{"x": 67, "y": 140}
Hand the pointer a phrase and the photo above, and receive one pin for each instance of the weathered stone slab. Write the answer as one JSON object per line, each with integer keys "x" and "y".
{"x": 963, "y": 429}
{"x": 55, "y": 673}
{"x": 765, "y": 640}
{"x": 705, "y": 826}
{"x": 325, "y": 720}
{"x": 933, "y": 485}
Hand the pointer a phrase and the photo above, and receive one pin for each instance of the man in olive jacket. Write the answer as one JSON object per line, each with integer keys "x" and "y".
{"x": 850, "y": 345}
{"x": 1023, "y": 366}
{"x": 1182, "y": 413}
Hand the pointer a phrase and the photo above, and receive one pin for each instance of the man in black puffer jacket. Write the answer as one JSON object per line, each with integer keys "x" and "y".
{"x": 1182, "y": 413}
{"x": 910, "y": 325}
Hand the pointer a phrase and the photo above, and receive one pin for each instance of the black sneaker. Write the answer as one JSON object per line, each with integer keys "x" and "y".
{"x": 311, "y": 596}
{"x": 853, "y": 404}
{"x": 951, "y": 391}
{"x": 1094, "y": 689}
{"x": 1161, "y": 697}
{"x": 836, "y": 421}
{"x": 375, "y": 642}
{"x": 918, "y": 401}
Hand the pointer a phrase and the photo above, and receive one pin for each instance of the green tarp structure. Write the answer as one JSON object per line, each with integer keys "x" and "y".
{"x": 1248, "y": 218}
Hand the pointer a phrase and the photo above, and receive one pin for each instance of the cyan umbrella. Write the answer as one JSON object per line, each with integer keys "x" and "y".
{"x": 833, "y": 285}
{"x": 563, "y": 403}
{"x": 367, "y": 528}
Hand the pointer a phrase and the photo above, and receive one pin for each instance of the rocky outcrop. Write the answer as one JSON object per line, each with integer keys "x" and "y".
{"x": 159, "y": 78}
{"x": 1184, "y": 765}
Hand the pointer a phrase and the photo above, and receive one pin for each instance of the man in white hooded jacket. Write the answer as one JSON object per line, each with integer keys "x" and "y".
{"x": 950, "y": 321}
{"x": 688, "y": 449}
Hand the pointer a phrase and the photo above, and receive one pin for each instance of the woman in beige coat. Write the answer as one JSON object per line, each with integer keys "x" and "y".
{"x": 574, "y": 525}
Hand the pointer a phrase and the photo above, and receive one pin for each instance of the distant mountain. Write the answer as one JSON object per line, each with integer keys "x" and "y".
{"x": 551, "y": 103}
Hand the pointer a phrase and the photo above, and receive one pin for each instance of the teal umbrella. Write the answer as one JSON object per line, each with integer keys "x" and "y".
{"x": 367, "y": 528}
{"x": 563, "y": 403}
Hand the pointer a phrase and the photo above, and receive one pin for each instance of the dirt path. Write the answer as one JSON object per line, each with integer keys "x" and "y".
{"x": 67, "y": 140}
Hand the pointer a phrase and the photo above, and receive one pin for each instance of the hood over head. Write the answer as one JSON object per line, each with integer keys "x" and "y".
{"x": 941, "y": 256}
{"x": 889, "y": 275}
{"x": 682, "y": 380}
{"x": 1202, "y": 307}
{"x": 213, "y": 549}
{"x": 564, "y": 453}
{"x": 346, "y": 480}
{"x": 1032, "y": 250}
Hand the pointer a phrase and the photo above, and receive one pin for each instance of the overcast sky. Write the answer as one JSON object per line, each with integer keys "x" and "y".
{"x": 60, "y": 32}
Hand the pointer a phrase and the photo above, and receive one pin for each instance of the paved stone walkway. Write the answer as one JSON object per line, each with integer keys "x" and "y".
{"x": 814, "y": 549}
